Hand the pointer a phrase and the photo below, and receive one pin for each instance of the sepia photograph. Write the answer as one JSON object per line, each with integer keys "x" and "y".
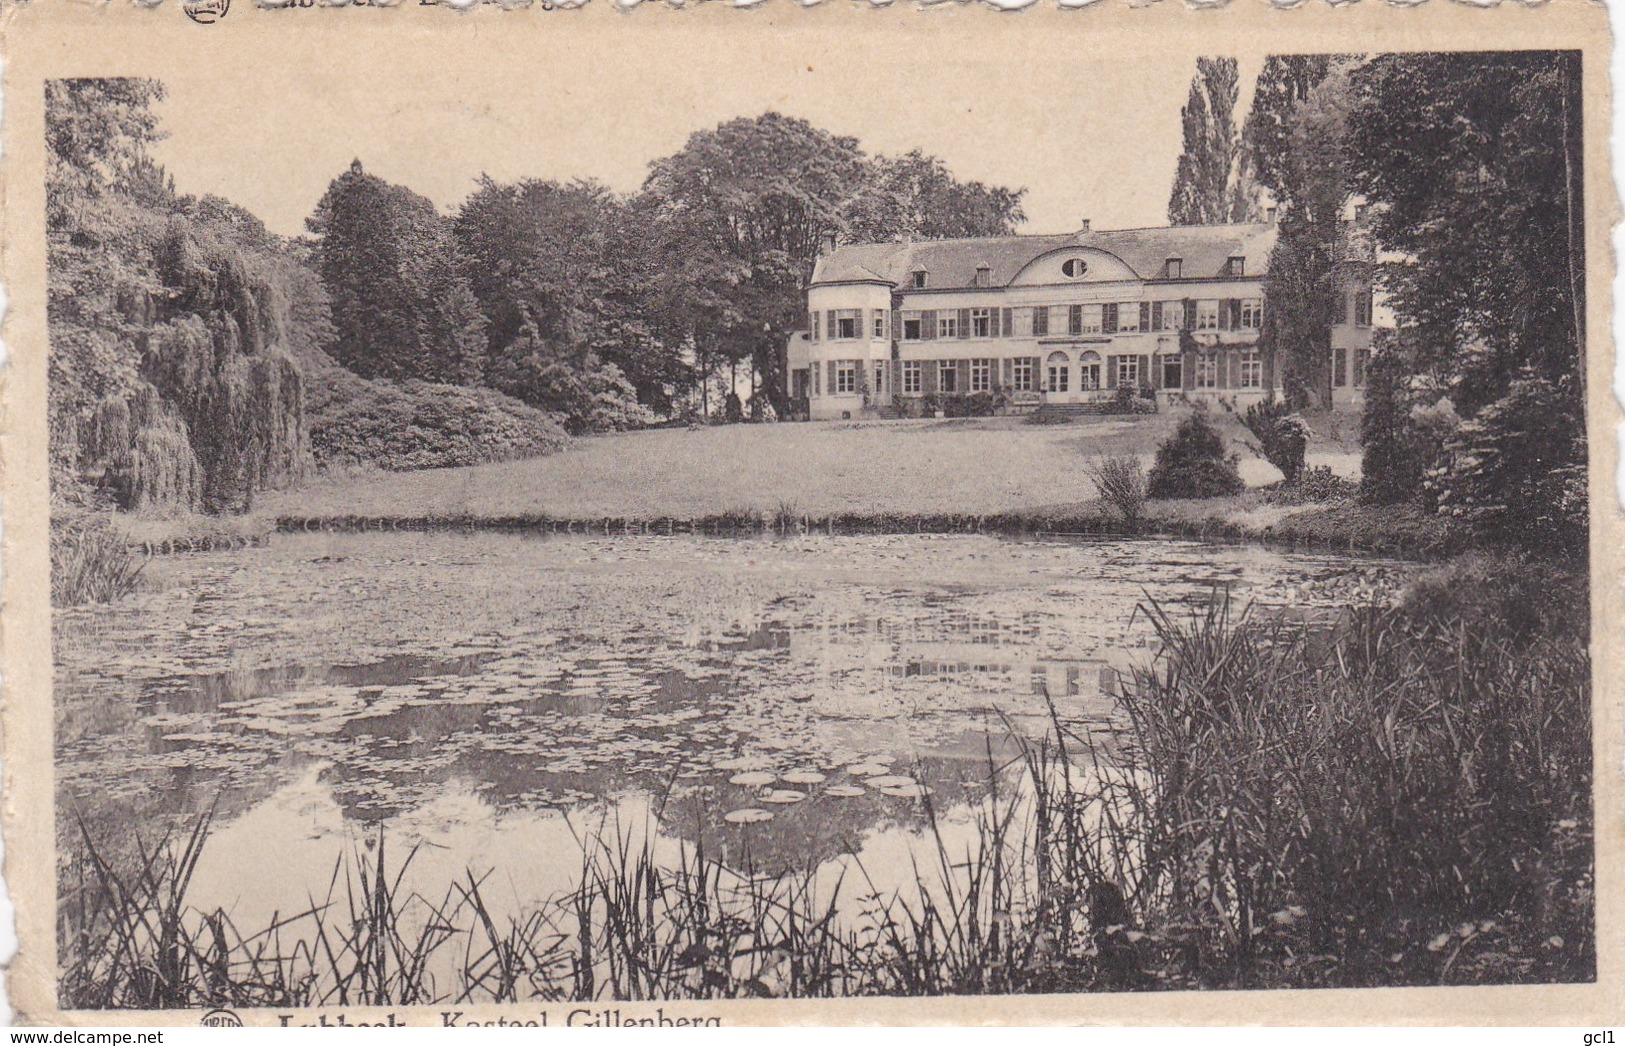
{"x": 814, "y": 535}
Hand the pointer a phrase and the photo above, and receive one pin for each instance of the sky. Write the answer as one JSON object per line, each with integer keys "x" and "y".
{"x": 1088, "y": 135}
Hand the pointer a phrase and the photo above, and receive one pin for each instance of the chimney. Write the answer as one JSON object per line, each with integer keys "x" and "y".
{"x": 827, "y": 244}
{"x": 1083, "y": 226}
{"x": 1270, "y": 214}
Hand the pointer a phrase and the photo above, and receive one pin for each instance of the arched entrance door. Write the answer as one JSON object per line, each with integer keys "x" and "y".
{"x": 1058, "y": 377}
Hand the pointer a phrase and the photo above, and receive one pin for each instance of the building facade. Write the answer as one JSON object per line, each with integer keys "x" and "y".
{"x": 1012, "y": 323}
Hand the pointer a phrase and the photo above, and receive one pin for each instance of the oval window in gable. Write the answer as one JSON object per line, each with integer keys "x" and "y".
{"x": 1074, "y": 268}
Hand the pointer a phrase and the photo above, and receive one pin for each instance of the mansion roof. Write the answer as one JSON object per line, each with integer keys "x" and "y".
{"x": 1204, "y": 251}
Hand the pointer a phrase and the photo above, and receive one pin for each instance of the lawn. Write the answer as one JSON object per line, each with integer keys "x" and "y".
{"x": 972, "y": 466}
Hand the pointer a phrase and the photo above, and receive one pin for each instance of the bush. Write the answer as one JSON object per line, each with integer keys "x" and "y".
{"x": 91, "y": 561}
{"x": 400, "y": 426}
{"x": 1512, "y": 594}
{"x": 1321, "y": 484}
{"x": 1404, "y": 427}
{"x": 960, "y": 404}
{"x": 1282, "y": 434}
{"x": 1130, "y": 400}
{"x": 1517, "y": 470}
{"x": 1192, "y": 464}
{"x": 1121, "y": 483}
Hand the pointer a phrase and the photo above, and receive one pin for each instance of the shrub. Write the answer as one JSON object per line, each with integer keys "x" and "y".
{"x": 1130, "y": 400}
{"x": 1192, "y": 464}
{"x": 1517, "y": 470}
{"x": 91, "y": 561}
{"x": 1120, "y": 479}
{"x": 400, "y": 426}
{"x": 1282, "y": 435}
{"x": 1404, "y": 427}
{"x": 1321, "y": 484}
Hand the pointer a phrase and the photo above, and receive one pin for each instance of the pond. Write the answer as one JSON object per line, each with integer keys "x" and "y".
{"x": 492, "y": 699}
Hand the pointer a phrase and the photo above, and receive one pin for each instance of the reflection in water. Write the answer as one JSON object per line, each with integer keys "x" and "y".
{"x": 494, "y": 697}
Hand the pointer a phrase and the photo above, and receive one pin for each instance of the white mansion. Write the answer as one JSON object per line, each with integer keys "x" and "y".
{"x": 898, "y": 328}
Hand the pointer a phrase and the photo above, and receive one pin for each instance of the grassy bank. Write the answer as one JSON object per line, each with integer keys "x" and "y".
{"x": 1248, "y": 518}
{"x": 1400, "y": 799}
{"x": 972, "y": 466}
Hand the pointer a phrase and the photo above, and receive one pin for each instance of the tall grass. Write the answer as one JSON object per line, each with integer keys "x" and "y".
{"x": 91, "y": 561}
{"x": 1391, "y": 796}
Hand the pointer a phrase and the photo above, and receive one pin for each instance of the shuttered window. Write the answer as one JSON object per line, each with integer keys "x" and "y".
{"x": 1108, "y": 318}
{"x": 1207, "y": 314}
{"x": 911, "y": 376}
{"x": 981, "y": 323}
{"x": 948, "y": 325}
{"x": 1041, "y": 320}
{"x": 911, "y": 326}
{"x": 1128, "y": 371}
{"x": 1252, "y": 313}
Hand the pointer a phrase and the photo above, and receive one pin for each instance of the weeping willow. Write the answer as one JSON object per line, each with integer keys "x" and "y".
{"x": 217, "y": 410}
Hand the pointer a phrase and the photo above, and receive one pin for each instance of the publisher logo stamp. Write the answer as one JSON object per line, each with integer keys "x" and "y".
{"x": 206, "y": 12}
{"x": 221, "y": 1018}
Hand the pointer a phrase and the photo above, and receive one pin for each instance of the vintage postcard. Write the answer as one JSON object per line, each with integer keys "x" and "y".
{"x": 821, "y": 515}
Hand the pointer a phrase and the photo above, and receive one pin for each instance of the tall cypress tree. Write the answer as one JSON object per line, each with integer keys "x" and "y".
{"x": 1201, "y": 190}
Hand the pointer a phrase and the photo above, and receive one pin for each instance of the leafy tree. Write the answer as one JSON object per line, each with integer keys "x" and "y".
{"x": 540, "y": 263}
{"x": 1482, "y": 212}
{"x": 1201, "y": 192}
{"x": 401, "y": 304}
{"x": 170, "y": 378}
{"x": 1310, "y": 263}
{"x": 1192, "y": 463}
{"x": 741, "y": 209}
{"x": 916, "y": 196}
{"x": 1283, "y": 84}
{"x": 1481, "y": 208}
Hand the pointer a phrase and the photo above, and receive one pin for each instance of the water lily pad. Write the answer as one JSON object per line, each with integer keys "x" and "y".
{"x": 890, "y": 781}
{"x": 804, "y": 777}
{"x": 868, "y": 769}
{"x": 752, "y": 778}
{"x": 908, "y": 791}
{"x": 844, "y": 791}
{"x": 783, "y": 796}
{"x": 749, "y": 815}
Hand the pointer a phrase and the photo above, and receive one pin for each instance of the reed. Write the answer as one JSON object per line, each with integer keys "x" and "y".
{"x": 91, "y": 561}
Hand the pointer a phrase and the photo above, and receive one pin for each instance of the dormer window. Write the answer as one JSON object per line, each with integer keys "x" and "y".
{"x": 1237, "y": 266}
{"x": 919, "y": 279}
{"x": 1074, "y": 268}
{"x": 984, "y": 276}
{"x": 1173, "y": 268}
